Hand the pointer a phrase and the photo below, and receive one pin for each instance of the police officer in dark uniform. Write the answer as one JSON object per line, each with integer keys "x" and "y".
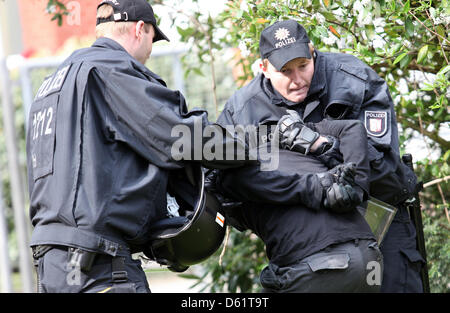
{"x": 99, "y": 150}
{"x": 337, "y": 87}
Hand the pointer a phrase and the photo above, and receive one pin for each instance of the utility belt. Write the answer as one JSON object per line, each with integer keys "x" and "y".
{"x": 63, "y": 235}
{"x": 83, "y": 249}
{"x": 82, "y": 261}
{"x": 77, "y": 257}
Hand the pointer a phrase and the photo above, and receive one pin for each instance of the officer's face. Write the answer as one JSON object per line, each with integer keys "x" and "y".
{"x": 145, "y": 42}
{"x": 293, "y": 80}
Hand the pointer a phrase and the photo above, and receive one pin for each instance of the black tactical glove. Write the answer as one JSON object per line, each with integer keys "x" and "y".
{"x": 344, "y": 173}
{"x": 328, "y": 152}
{"x": 342, "y": 198}
{"x": 341, "y": 194}
{"x": 230, "y": 207}
{"x": 294, "y": 135}
{"x": 211, "y": 186}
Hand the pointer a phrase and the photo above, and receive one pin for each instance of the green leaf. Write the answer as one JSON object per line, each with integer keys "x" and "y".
{"x": 444, "y": 70}
{"x": 395, "y": 48}
{"x": 188, "y": 276}
{"x": 440, "y": 30}
{"x": 393, "y": 5}
{"x": 422, "y": 54}
{"x": 446, "y": 155}
{"x": 404, "y": 62}
{"x": 409, "y": 27}
{"x": 406, "y": 7}
{"x": 185, "y": 32}
{"x": 400, "y": 57}
{"x": 329, "y": 16}
{"x": 428, "y": 87}
{"x": 198, "y": 71}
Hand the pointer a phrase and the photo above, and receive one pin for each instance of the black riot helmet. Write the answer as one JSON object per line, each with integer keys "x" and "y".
{"x": 198, "y": 228}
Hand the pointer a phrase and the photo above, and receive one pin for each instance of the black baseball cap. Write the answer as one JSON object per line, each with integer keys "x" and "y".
{"x": 284, "y": 41}
{"x": 132, "y": 10}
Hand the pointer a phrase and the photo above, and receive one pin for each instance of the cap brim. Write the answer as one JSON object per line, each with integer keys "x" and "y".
{"x": 280, "y": 57}
{"x": 159, "y": 35}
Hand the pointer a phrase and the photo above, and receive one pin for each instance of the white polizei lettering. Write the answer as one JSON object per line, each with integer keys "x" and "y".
{"x": 285, "y": 42}
{"x": 43, "y": 87}
{"x": 381, "y": 114}
{"x": 53, "y": 82}
{"x": 59, "y": 78}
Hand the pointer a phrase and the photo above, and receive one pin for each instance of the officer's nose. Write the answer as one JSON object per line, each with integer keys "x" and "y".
{"x": 296, "y": 77}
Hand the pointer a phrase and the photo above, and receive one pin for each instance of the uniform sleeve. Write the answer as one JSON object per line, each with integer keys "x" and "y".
{"x": 387, "y": 179}
{"x": 250, "y": 184}
{"x": 255, "y": 183}
{"x": 153, "y": 120}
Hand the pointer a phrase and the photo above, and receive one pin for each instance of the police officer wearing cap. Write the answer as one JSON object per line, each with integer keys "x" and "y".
{"x": 304, "y": 239}
{"x": 99, "y": 150}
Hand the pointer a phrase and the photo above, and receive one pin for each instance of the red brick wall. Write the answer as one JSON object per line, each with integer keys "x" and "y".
{"x": 39, "y": 32}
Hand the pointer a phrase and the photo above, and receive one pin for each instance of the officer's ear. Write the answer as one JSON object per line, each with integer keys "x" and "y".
{"x": 264, "y": 68}
{"x": 263, "y": 65}
{"x": 140, "y": 29}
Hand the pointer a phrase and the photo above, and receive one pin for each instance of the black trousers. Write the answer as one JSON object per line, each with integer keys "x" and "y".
{"x": 403, "y": 261}
{"x": 355, "y": 266}
{"x": 56, "y": 274}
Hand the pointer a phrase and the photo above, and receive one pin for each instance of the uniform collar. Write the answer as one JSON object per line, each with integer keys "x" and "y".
{"x": 275, "y": 97}
{"x": 109, "y": 43}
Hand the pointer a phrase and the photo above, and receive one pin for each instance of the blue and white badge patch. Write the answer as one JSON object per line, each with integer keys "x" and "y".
{"x": 376, "y": 122}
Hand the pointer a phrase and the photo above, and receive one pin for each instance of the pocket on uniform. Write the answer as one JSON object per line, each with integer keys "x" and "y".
{"x": 42, "y": 135}
{"x": 413, "y": 257}
{"x": 329, "y": 262}
{"x": 402, "y": 271}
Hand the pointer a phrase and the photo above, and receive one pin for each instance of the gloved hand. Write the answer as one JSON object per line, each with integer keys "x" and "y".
{"x": 211, "y": 186}
{"x": 294, "y": 135}
{"x": 344, "y": 173}
{"x": 341, "y": 193}
{"x": 230, "y": 208}
{"x": 340, "y": 198}
{"x": 328, "y": 152}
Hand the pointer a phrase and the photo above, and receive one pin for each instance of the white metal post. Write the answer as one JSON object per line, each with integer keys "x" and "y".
{"x": 20, "y": 223}
{"x": 5, "y": 267}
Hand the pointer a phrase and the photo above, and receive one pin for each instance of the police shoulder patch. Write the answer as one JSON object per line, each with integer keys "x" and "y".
{"x": 376, "y": 122}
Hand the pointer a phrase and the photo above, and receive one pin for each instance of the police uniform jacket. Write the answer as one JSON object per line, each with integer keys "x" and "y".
{"x": 99, "y": 148}
{"x": 343, "y": 87}
{"x": 283, "y": 206}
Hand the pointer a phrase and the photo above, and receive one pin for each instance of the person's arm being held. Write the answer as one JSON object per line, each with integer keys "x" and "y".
{"x": 155, "y": 122}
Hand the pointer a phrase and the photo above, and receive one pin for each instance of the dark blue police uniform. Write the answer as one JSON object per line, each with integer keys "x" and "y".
{"x": 99, "y": 149}
{"x": 343, "y": 88}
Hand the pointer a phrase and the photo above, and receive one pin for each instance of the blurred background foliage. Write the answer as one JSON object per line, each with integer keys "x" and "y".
{"x": 407, "y": 42}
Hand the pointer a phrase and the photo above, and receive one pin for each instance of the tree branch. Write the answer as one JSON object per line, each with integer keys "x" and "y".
{"x": 210, "y": 49}
{"x": 433, "y": 136}
{"x": 436, "y": 181}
